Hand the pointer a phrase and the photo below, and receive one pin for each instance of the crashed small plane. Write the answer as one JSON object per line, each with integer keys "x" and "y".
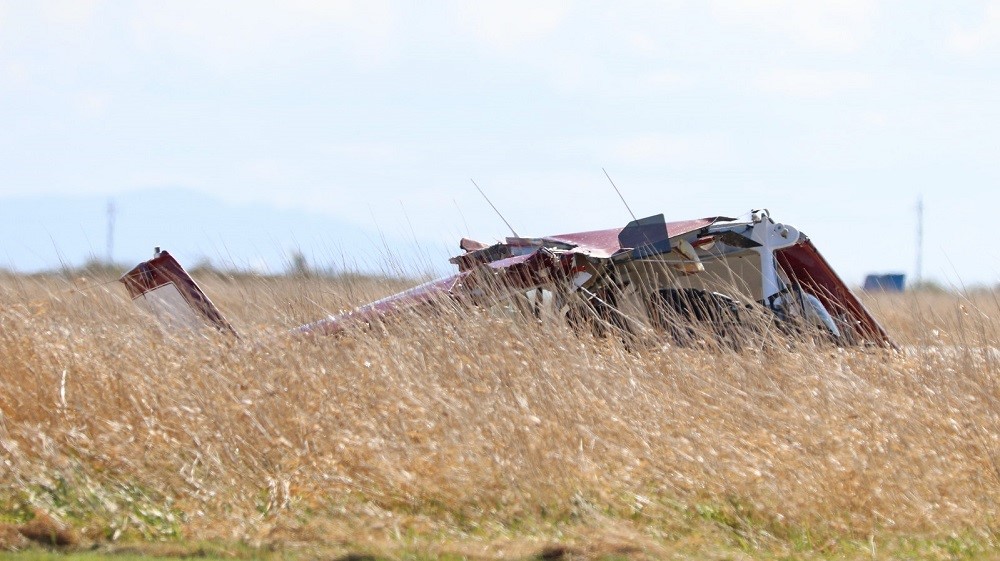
{"x": 702, "y": 278}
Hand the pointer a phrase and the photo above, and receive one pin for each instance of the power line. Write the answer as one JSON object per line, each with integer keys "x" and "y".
{"x": 920, "y": 239}
{"x": 111, "y": 231}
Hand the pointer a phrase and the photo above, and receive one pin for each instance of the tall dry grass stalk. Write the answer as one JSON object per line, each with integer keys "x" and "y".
{"x": 471, "y": 423}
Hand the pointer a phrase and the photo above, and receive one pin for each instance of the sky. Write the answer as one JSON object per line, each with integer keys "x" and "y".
{"x": 835, "y": 116}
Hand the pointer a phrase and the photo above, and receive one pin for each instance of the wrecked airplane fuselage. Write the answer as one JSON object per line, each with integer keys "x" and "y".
{"x": 650, "y": 274}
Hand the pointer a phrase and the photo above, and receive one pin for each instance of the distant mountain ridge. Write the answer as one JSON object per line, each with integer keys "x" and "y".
{"x": 49, "y": 232}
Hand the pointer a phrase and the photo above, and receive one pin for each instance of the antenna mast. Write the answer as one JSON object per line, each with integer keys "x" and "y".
{"x": 619, "y": 194}
{"x": 111, "y": 231}
{"x": 495, "y": 208}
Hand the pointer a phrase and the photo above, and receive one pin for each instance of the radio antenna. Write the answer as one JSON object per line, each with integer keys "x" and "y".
{"x": 619, "y": 194}
{"x": 495, "y": 208}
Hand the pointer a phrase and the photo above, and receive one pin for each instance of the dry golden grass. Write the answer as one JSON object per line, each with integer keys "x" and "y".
{"x": 489, "y": 435}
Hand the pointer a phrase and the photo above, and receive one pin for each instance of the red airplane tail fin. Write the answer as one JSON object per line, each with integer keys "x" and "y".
{"x": 163, "y": 288}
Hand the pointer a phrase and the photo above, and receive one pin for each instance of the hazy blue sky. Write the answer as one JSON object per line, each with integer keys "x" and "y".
{"x": 834, "y": 115}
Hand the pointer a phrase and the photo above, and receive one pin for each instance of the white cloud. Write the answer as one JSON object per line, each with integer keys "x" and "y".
{"x": 34, "y": 34}
{"x": 510, "y": 24}
{"x": 92, "y": 104}
{"x": 240, "y": 33}
{"x": 16, "y": 74}
{"x": 671, "y": 149}
{"x": 72, "y": 14}
{"x": 665, "y": 80}
{"x": 644, "y": 43}
{"x": 833, "y": 25}
{"x": 368, "y": 152}
{"x": 972, "y": 40}
{"x": 877, "y": 119}
{"x": 811, "y": 83}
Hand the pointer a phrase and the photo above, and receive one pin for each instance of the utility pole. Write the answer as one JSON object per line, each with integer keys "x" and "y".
{"x": 111, "y": 231}
{"x": 920, "y": 239}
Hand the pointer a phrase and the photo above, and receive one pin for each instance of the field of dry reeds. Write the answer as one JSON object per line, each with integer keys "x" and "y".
{"x": 492, "y": 435}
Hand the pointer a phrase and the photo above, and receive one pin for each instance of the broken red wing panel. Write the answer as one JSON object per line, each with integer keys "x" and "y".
{"x": 475, "y": 257}
{"x": 471, "y": 245}
{"x": 416, "y": 297}
{"x": 806, "y": 267}
{"x": 162, "y": 287}
{"x": 497, "y": 280}
{"x": 525, "y": 272}
{"x": 604, "y": 243}
{"x": 501, "y": 279}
